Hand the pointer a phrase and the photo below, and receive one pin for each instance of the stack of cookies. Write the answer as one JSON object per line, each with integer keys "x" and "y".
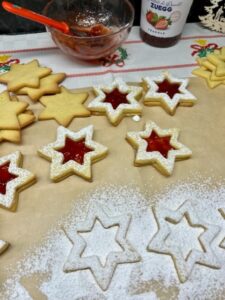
{"x": 212, "y": 68}
{"x": 24, "y": 79}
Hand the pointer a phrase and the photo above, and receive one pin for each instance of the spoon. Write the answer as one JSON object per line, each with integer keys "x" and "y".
{"x": 94, "y": 30}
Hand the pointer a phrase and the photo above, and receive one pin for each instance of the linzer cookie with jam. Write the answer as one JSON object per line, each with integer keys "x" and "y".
{"x": 167, "y": 91}
{"x": 117, "y": 101}
{"x": 73, "y": 153}
{"x": 12, "y": 179}
{"x": 158, "y": 147}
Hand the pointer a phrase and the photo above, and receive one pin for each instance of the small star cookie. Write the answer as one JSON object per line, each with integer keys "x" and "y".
{"x": 12, "y": 179}
{"x": 21, "y": 75}
{"x": 116, "y": 101}
{"x": 167, "y": 91}
{"x": 48, "y": 85}
{"x": 9, "y": 111}
{"x": 63, "y": 107}
{"x": 73, "y": 153}
{"x": 158, "y": 147}
{"x": 212, "y": 68}
{"x": 3, "y": 246}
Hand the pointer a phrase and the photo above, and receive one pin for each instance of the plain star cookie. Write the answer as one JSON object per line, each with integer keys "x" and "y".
{"x": 12, "y": 179}
{"x": 158, "y": 147}
{"x": 9, "y": 111}
{"x": 21, "y": 75}
{"x": 167, "y": 91}
{"x": 63, "y": 107}
{"x": 48, "y": 85}
{"x": 102, "y": 273}
{"x": 73, "y": 153}
{"x": 14, "y": 136}
{"x": 160, "y": 244}
{"x": 116, "y": 101}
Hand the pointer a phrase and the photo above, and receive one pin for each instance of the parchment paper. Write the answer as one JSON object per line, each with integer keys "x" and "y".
{"x": 41, "y": 205}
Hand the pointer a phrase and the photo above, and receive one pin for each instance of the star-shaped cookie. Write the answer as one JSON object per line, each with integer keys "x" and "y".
{"x": 73, "y": 153}
{"x": 63, "y": 107}
{"x": 158, "y": 147}
{"x": 184, "y": 266}
{"x": 222, "y": 212}
{"x": 9, "y": 111}
{"x": 14, "y": 136}
{"x": 3, "y": 246}
{"x": 12, "y": 179}
{"x": 48, "y": 85}
{"x": 102, "y": 274}
{"x": 21, "y": 75}
{"x": 167, "y": 91}
{"x": 116, "y": 101}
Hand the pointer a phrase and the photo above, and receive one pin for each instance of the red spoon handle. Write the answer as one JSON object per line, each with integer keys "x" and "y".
{"x": 28, "y": 14}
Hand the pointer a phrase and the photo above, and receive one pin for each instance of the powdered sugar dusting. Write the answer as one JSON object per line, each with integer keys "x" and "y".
{"x": 154, "y": 277}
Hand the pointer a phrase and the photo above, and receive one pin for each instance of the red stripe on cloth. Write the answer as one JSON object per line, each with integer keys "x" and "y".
{"x": 131, "y": 70}
{"x": 126, "y": 42}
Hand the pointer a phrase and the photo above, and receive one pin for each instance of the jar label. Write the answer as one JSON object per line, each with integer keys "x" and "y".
{"x": 164, "y": 19}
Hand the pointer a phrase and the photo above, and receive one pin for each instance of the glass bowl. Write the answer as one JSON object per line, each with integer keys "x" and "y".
{"x": 116, "y": 16}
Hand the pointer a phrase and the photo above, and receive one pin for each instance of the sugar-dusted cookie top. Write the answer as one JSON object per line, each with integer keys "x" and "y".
{"x": 21, "y": 75}
{"x": 167, "y": 91}
{"x": 63, "y": 107}
{"x": 158, "y": 147}
{"x": 73, "y": 153}
{"x": 117, "y": 100}
{"x": 12, "y": 179}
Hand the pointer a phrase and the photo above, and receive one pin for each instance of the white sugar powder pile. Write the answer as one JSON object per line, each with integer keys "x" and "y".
{"x": 155, "y": 277}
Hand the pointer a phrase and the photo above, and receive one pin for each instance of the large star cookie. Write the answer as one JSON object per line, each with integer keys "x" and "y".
{"x": 12, "y": 179}
{"x": 160, "y": 244}
{"x": 9, "y": 111}
{"x": 158, "y": 147}
{"x": 48, "y": 85}
{"x": 167, "y": 91}
{"x": 116, "y": 101}
{"x": 21, "y": 75}
{"x": 63, "y": 107}
{"x": 102, "y": 273}
{"x": 73, "y": 153}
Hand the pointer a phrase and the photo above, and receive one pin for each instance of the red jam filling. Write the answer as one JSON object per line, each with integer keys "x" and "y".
{"x": 168, "y": 88}
{"x": 74, "y": 150}
{"x": 160, "y": 144}
{"x": 116, "y": 98}
{"x": 5, "y": 177}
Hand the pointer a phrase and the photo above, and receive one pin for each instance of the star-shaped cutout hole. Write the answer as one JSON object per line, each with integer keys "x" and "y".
{"x": 158, "y": 147}
{"x": 184, "y": 265}
{"x": 21, "y": 75}
{"x": 116, "y": 101}
{"x": 73, "y": 153}
{"x": 63, "y": 107}
{"x": 74, "y": 150}
{"x": 12, "y": 179}
{"x": 9, "y": 111}
{"x": 102, "y": 273}
{"x": 167, "y": 91}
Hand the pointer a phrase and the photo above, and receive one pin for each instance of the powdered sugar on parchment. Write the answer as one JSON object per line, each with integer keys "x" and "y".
{"x": 155, "y": 277}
